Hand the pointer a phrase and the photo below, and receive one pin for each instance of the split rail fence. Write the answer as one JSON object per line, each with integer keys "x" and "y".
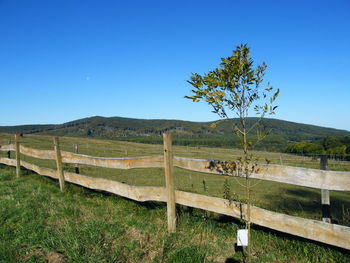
{"x": 321, "y": 231}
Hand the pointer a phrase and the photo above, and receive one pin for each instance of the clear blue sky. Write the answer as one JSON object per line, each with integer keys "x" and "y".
{"x": 65, "y": 60}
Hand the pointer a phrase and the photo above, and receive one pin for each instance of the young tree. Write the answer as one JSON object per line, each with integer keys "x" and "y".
{"x": 236, "y": 88}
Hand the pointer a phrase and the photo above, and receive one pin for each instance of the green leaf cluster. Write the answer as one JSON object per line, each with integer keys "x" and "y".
{"x": 235, "y": 86}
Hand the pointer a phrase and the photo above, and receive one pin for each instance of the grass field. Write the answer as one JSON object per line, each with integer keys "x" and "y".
{"x": 41, "y": 224}
{"x": 87, "y": 226}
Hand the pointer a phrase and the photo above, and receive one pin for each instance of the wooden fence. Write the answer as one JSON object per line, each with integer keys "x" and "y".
{"x": 325, "y": 232}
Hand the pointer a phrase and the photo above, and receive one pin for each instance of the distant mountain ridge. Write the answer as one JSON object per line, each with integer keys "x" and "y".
{"x": 148, "y": 130}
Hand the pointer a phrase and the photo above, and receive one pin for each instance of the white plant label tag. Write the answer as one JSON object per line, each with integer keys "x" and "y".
{"x": 242, "y": 237}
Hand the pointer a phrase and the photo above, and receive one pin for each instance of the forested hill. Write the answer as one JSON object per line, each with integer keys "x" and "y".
{"x": 185, "y": 132}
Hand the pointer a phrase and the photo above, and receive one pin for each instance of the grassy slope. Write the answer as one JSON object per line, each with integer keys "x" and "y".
{"x": 201, "y": 235}
{"x": 38, "y": 222}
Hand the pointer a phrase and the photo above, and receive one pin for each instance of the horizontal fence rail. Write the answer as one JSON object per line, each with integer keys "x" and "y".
{"x": 331, "y": 180}
{"x": 41, "y": 154}
{"x": 119, "y": 163}
{"x": 107, "y": 162}
{"x": 314, "y": 178}
{"x": 8, "y": 147}
{"x": 332, "y": 234}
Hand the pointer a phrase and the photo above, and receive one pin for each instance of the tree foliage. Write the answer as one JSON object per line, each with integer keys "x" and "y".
{"x": 235, "y": 87}
{"x": 307, "y": 148}
{"x": 335, "y": 146}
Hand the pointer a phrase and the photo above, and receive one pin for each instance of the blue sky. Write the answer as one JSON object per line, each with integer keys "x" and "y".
{"x": 65, "y": 60}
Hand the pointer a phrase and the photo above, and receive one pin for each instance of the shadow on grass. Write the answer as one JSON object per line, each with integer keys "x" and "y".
{"x": 232, "y": 260}
{"x": 152, "y": 205}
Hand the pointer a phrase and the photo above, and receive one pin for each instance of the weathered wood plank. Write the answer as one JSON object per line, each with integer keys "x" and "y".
{"x": 8, "y": 147}
{"x": 7, "y": 161}
{"x": 118, "y": 163}
{"x": 332, "y": 234}
{"x": 169, "y": 181}
{"x": 40, "y": 170}
{"x": 330, "y": 180}
{"x": 137, "y": 193}
{"x": 40, "y": 154}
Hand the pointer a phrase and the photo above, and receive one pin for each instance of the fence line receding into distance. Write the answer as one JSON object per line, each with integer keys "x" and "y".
{"x": 325, "y": 232}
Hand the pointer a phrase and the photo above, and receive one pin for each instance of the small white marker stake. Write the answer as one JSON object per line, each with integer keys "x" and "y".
{"x": 242, "y": 237}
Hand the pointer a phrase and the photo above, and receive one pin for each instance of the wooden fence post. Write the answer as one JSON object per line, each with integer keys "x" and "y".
{"x": 59, "y": 162}
{"x": 9, "y": 152}
{"x": 325, "y": 200}
{"x": 77, "y": 170}
{"x": 169, "y": 181}
{"x": 18, "y": 153}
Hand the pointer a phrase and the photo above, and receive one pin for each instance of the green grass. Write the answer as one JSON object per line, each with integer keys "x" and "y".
{"x": 86, "y": 226}
{"x": 37, "y": 222}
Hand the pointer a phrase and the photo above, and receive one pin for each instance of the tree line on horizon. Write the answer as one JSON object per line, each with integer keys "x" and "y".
{"x": 334, "y": 146}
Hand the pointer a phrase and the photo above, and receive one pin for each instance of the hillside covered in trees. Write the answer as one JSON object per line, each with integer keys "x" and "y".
{"x": 284, "y": 135}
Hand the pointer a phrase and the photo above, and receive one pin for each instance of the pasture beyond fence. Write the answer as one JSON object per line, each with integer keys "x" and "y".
{"x": 321, "y": 231}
